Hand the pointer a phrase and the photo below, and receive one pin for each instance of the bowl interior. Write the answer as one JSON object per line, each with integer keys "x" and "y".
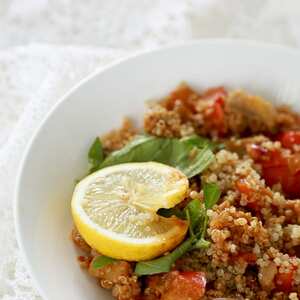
{"x": 57, "y": 155}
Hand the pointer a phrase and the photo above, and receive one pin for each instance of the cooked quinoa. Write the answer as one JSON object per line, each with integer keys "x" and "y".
{"x": 254, "y": 230}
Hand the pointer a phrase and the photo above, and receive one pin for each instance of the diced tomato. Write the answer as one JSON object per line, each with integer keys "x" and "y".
{"x": 289, "y": 138}
{"x": 283, "y": 175}
{"x": 218, "y": 112}
{"x": 284, "y": 281}
{"x": 291, "y": 185}
{"x": 217, "y": 117}
{"x": 294, "y": 163}
{"x": 278, "y": 169}
{"x": 268, "y": 158}
{"x": 184, "y": 286}
{"x": 273, "y": 175}
{"x": 215, "y": 93}
{"x": 257, "y": 152}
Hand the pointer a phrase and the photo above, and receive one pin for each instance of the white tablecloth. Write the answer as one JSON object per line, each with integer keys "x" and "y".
{"x": 47, "y": 46}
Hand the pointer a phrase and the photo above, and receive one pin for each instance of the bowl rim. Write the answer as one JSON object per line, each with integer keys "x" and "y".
{"x": 242, "y": 43}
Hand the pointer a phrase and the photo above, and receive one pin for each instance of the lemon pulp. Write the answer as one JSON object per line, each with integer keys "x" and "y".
{"x": 115, "y": 208}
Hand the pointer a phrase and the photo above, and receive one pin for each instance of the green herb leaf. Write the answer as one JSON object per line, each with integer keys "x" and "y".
{"x": 201, "y": 244}
{"x": 95, "y": 155}
{"x": 164, "y": 263}
{"x": 212, "y": 194}
{"x": 193, "y": 209}
{"x": 204, "y": 221}
{"x": 192, "y": 161}
{"x": 141, "y": 149}
{"x": 181, "y": 154}
{"x": 102, "y": 261}
{"x": 199, "y": 141}
{"x": 188, "y": 217}
{"x": 169, "y": 212}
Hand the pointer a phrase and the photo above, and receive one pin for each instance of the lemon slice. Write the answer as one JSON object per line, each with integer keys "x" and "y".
{"x": 114, "y": 209}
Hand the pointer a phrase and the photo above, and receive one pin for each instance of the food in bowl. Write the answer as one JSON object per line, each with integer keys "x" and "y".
{"x": 203, "y": 203}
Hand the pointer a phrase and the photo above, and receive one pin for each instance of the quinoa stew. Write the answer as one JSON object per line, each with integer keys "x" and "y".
{"x": 208, "y": 190}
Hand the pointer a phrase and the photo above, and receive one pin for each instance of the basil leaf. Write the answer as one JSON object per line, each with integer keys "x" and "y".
{"x": 95, "y": 155}
{"x": 193, "y": 209}
{"x": 141, "y": 149}
{"x": 212, "y": 194}
{"x": 102, "y": 261}
{"x": 191, "y": 230}
{"x": 199, "y": 141}
{"x": 204, "y": 222}
{"x": 188, "y": 158}
{"x": 178, "y": 153}
{"x": 201, "y": 244}
{"x": 164, "y": 263}
{"x": 169, "y": 212}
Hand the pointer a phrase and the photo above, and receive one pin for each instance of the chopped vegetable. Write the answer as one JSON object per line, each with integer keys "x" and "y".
{"x": 277, "y": 168}
{"x": 217, "y": 115}
{"x": 284, "y": 281}
{"x": 95, "y": 155}
{"x": 101, "y": 261}
{"x": 184, "y": 154}
{"x": 186, "y": 285}
{"x": 289, "y": 138}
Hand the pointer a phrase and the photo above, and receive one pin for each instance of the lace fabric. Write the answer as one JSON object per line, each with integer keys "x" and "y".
{"x": 48, "y": 46}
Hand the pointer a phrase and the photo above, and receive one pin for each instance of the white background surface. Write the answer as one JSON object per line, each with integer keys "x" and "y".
{"x": 47, "y": 46}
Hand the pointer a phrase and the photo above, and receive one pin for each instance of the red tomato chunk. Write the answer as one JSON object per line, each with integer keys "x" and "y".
{"x": 178, "y": 285}
{"x": 289, "y": 138}
{"x": 277, "y": 168}
{"x": 284, "y": 281}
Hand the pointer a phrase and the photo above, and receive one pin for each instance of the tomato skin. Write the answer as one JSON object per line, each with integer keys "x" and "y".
{"x": 278, "y": 169}
{"x": 273, "y": 175}
{"x": 215, "y": 93}
{"x": 184, "y": 286}
{"x": 218, "y": 113}
{"x": 176, "y": 285}
{"x": 268, "y": 158}
{"x": 282, "y": 174}
{"x": 284, "y": 281}
{"x": 217, "y": 116}
{"x": 289, "y": 138}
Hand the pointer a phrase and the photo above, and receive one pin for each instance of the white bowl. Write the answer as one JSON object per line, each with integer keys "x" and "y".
{"x": 57, "y": 155}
